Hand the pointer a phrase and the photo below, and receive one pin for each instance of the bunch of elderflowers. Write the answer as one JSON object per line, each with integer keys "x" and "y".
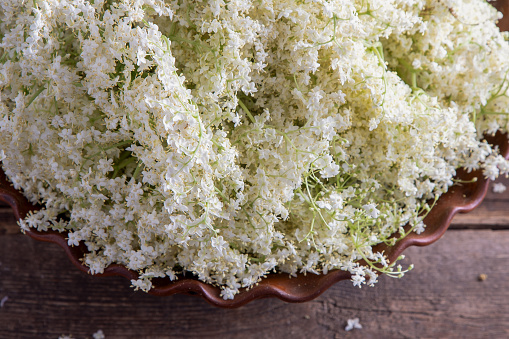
{"x": 233, "y": 138}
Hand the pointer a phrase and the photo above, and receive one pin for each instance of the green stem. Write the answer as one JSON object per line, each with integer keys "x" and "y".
{"x": 248, "y": 113}
{"x": 36, "y": 94}
{"x": 4, "y": 56}
{"x": 123, "y": 164}
{"x": 119, "y": 144}
{"x": 138, "y": 170}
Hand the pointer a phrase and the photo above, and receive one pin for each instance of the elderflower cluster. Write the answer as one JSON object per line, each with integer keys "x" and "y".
{"x": 231, "y": 139}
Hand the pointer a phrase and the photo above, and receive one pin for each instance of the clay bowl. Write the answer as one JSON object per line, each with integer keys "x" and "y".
{"x": 460, "y": 198}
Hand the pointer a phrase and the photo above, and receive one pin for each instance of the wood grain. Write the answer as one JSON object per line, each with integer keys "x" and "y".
{"x": 8, "y": 221}
{"x": 493, "y": 213}
{"x": 442, "y": 297}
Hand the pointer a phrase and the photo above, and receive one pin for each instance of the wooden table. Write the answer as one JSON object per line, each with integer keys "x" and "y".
{"x": 44, "y": 296}
{"x": 442, "y": 297}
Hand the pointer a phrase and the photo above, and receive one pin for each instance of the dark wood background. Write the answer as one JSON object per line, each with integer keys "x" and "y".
{"x": 443, "y": 297}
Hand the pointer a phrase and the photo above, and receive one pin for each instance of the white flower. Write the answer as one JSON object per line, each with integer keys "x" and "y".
{"x": 419, "y": 228}
{"x": 353, "y": 324}
{"x": 218, "y": 243}
{"x": 371, "y": 210}
{"x": 73, "y": 239}
{"x": 499, "y": 187}
{"x": 142, "y": 284}
{"x": 105, "y": 165}
{"x": 236, "y": 120}
{"x": 98, "y": 335}
{"x": 336, "y": 200}
{"x": 323, "y": 204}
{"x": 358, "y": 279}
{"x": 227, "y": 293}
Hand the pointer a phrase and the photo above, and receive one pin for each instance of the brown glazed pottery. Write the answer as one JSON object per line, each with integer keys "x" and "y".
{"x": 460, "y": 198}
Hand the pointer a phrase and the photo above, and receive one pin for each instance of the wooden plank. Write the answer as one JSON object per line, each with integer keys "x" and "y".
{"x": 441, "y": 297}
{"x": 493, "y": 213}
{"x": 8, "y": 221}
